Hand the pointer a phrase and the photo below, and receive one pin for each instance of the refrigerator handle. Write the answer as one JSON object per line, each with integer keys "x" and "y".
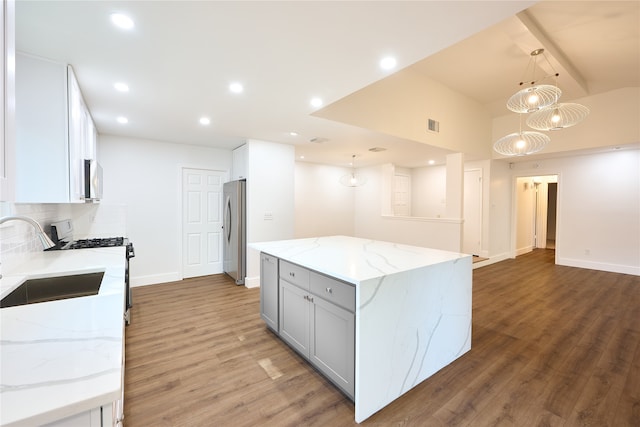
{"x": 228, "y": 220}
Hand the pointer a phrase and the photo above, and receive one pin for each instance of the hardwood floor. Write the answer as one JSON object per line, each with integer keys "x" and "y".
{"x": 552, "y": 346}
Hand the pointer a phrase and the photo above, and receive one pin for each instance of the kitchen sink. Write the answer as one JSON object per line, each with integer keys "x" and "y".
{"x": 53, "y": 288}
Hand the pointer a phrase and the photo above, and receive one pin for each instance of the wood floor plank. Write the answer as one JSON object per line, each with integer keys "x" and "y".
{"x": 551, "y": 346}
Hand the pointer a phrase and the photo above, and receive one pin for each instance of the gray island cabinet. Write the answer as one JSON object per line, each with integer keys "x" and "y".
{"x": 314, "y": 314}
{"x": 376, "y": 318}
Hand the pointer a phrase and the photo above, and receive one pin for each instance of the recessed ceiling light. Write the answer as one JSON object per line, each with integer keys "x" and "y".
{"x": 122, "y": 21}
{"x": 316, "y": 102}
{"x": 293, "y": 133}
{"x": 301, "y": 157}
{"x": 122, "y": 120}
{"x": 121, "y": 87}
{"x": 388, "y": 63}
{"x": 236, "y": 87}
{"x": 432, "y": 162}
{"x": 205, "y": 121}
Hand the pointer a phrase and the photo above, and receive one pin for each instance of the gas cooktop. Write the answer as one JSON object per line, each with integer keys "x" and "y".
{"x": 105, "y": 242}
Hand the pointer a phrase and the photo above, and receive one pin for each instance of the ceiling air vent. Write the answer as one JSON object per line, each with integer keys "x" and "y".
{"x": 377, "y": 149}
{"x": 318, "y": 140}
{"x": 433, "y": 126}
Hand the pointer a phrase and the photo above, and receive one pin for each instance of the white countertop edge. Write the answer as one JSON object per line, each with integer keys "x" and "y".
{"x": 354, "y": 259}
{"x": 45, "y": 327}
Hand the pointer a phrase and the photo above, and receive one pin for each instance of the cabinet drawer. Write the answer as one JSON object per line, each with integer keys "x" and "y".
{"x": 294, "y": 274}
{"x": 335, "y": 291}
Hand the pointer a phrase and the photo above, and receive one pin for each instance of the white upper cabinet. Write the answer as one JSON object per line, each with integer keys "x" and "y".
{"x": 82, "y": 136}
{"x": 239, "y": 166}
{"x": 7, "y": 106}
{"x": 54, "y": 132}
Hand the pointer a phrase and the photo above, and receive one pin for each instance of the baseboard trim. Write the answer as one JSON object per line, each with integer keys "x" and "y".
{"x": 602, "y": 266}
{"x": 154, "y": 279}
{"x": 491, "y": 260}
{"x": 252, "y": 282}
{"x": 525, "y": 250}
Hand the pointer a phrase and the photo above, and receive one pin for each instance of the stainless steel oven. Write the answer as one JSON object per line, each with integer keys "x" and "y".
{"x": 62, "y": 235}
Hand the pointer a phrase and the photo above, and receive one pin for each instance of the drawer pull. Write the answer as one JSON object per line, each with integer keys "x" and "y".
{"x": 329, "y": 290}
{"x": 292, "y": 274}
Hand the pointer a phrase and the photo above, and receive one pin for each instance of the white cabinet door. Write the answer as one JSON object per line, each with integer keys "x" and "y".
{"x": 82, "y": 137}
{"x": 239, "y": 165}
{"x": 294, "y": 317}
{"x": 7, "y": 105}
{"x": 269, "y": 290}
{"x": 42, "y": 156}
{"x": 76, "y": 136}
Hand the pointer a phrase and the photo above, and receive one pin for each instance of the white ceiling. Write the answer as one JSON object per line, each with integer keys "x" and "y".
{"x": 181, "y": 56}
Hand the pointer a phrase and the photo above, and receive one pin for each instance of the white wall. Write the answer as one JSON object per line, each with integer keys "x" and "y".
{"x": 145, "y": 176}
{"x": 524, "y": 215}
{"x": 270, "y": 198}
{"x": 598, "y": 208}
{"x": 429, "y": 191}
{"x": 369, "y": 223}
{"x": 323, "y": 206}
{"x": 401, "y": 104}
{"x": 500, "y": 208}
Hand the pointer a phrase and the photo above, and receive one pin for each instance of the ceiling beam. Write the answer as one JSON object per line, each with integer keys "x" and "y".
{"x": 535, "y": 38}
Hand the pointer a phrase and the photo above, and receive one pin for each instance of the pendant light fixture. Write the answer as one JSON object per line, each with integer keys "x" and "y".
{"x": 533, "y": 98}
{"x": 537, "y": 96}
{"x": 558, "y": 116}
{"x": 353, "y": 179}
{"x": 541, "y": 100}
{"x": 521, "y": 143}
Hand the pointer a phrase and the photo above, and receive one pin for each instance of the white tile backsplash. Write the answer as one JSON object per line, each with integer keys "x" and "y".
{"x": 18, "y": 239}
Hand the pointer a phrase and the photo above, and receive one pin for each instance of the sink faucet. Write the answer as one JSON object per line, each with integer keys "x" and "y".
{"x": 44, "y": 239}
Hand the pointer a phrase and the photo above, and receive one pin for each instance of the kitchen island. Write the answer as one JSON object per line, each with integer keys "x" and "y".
{"x": 64, "y": 358}
{"x": 411, "y": 311}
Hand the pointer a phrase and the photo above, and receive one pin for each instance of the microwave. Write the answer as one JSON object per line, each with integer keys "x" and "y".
{"x": 92, "y": 181}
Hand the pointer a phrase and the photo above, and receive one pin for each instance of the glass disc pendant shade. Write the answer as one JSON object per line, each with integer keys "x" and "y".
{"x": 558, "y": 116}
{"x": 533, "y": 98}
{"x": 521, "y": 143}
{"x": 353, "y": 179}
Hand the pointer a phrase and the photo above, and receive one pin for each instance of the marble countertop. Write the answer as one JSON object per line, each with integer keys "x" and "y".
{"x": 354, "y": 259}
{"x": 63, "y": 357}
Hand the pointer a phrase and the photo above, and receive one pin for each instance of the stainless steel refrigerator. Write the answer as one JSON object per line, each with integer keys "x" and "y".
{"x": 235, "y": 230}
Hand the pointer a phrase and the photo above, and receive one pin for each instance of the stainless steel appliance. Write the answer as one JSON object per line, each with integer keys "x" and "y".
{"x": 62, "y": 234}
{"x": 235, "y": 230}
{"x": 92, "y": 181}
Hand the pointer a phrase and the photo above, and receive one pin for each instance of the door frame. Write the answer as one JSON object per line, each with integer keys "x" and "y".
{"x": 179, "y": 200}
{"x": 480, "y": 210}
{"x": 514, "y": 209}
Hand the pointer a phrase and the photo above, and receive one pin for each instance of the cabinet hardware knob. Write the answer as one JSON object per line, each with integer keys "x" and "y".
{"x": 292, "y": 274}
{"x": 329, "y": 290}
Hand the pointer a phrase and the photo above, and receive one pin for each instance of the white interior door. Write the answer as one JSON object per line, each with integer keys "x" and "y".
{"x": 472, "y": 229}
{"x": 402, "y": 195}
{"x": 201, "y": 222}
